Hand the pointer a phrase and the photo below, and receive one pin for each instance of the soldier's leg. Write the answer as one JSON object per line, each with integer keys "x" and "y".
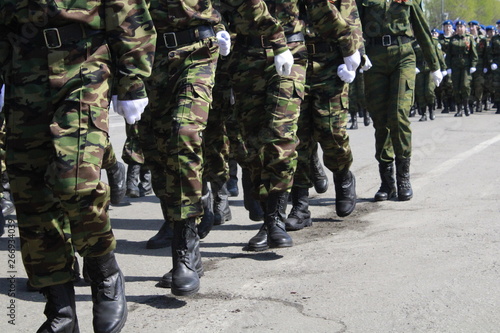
{"x": 116, "y": 173}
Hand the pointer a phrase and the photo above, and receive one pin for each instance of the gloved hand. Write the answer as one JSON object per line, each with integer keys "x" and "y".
{"x": 2, "y": 97}
{"x": 283, "y": 63}
{"x": 132, "y": 109}
{"x": 437, "y": 77}
{"x": 361, "y": 71}
{"x": 494, "y": 67}
{"x": 224, "y": 42}
{"x": 345, "y": 75}
{"x": 448, "y": 71}
{"x": 485, "y": 70}
{"x": 367, "y": 65}
{"x": 472, "y": 70}
{"x": 444, "y": 73}
{"x": 352, "y": 62}
{"x": 417, "y": 70}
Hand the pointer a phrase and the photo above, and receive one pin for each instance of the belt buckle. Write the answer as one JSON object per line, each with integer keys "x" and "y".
{"x": 386, "y": 40}
{"x": 48, "y": 40}
{"x": 262, "y": 41}
{"x": 166, "y": 35}
{"x": 311, "y": 48}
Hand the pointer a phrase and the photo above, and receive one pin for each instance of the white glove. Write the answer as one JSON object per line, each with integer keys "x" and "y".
{"x": 283, "y": 63}
{"x": 485, "y": 70}
{"x": 224, "y": 42}
{"x": 352, "y": 62}
{"x": 367, "y": 65}
{"x": 444, "y": 73}
{"x": 417, "y": 70}
{"x": 448, "y": 71}
{"x": 346, "y": 75}
{"x": 472, "y": 70}
{"x": 132, "y": 109}
{"x": 2, "y": 97}
{"x": 361, "y": 71}
{"x": 494, "y": 67}
{"x": 437, "y": 77}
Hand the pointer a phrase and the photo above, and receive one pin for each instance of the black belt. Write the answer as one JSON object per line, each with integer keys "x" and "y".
{"x": 54, "y": 38}
{"x": 320, "y": 47}
{"x": 189, "y": 36}
{"x": 388, "y": 40}
{"x": 262, "y": 41}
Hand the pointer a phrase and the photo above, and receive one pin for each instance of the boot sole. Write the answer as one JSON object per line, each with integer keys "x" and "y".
{"x": 280, "y": 245}
{"x": 306, "y": 224}
{"x": 178, "y": 292}
{"x": 257, "y": 248}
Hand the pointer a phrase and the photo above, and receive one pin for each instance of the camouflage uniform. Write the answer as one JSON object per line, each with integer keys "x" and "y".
{"x": 323, "y": 115}
{"x": 390, "y": 83}
{"x": 388, "y": 27}
{"x": 446, "y": 86}
{"x": 477, "y": 83}
{"x": 357, "y": 100}
{"x": 58, "y": 91}
{"x": 461, "y": 55}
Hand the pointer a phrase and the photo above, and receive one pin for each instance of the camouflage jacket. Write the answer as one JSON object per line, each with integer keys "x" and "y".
{"x": 398, "y": 18}
{"x": 419, "y": 56}
{"x": 481, "y": 52}
{"x": 126, "y": 27}
{"x": 461, "y": 52}
{"x": 334, "y": 20}
{"x": 493, "y": 51}
{"x": 248, "y": 17}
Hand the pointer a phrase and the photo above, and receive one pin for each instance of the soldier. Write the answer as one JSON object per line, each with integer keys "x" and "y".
{"x": 494, "y": 62}
{"x": 55, "y": 58}
{"x": 424, "y": 85}
{"x": 461, "y": 61}
{"x": 390, "y": 84}
{"x": 488, "y": 91}
{"x": 181, "y": 93}
{"x": 477, "y": 83}
{"x": 323, "y": 114}
{"x": 357, "y": 101}
{"x": 446, "y": 86}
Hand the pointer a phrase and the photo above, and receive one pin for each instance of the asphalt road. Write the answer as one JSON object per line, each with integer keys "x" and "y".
{"x": 427, "y": 265}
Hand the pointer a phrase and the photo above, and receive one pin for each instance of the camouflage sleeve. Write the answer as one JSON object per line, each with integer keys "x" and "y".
{"x": 349, "y": 11}
{"x": 423, "y": 35}
{"x": 132, "y": 38}
{"x": 259, "y": 21}
{"x": 439, "y": 53}
{"x": 473, "y": 54}
{"x": 330, "y": 24}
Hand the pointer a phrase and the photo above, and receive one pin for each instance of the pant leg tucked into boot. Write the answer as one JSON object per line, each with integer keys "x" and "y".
{"x": 300, "y": 216}
{"x": 60, "y": 309}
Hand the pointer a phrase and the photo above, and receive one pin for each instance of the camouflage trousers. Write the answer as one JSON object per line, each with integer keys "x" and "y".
{"x": 461, "y": 79}
{"x": 67, "y": 157}
{"x": 424, "y": 89}
{"x": 180, "y": 94}
{"x": 216, "y": 144}
{"x": 477, "y": 85}
{"x": 389, "y": 87}
{"x": 268, "y": 107}
{"x": 132, "y": 152}
{"x": 323, "y": 118}
{"x": 357, "y": 100}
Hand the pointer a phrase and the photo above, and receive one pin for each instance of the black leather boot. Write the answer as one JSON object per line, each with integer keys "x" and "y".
{"x": 387, "y": 188}
{"x": 145, "y": 185}
{"x": 185, "y": 278}
{"x": 354, "y": 121}
{"x": 319, "y": 178}
{"x": 432, "y": 116}
{"x": 166, "y": 280}
{"x": 222, "y": 211}
{"x": 412, "y": 111}
{"x": 259, "y": 241}
{"x": 405, "y": 191}
{"x": 60, "y": 309}
{"x": 423, "y": 114}
{"x": 498, "y": 108}
{"x": 345, "y": 192}
{"x": 232, "y": 183}
{"x": 466, "y": 109}
{"x": 108, "y": 293}
{"x": 116, "y": 179}
{"x": 300, "y": 216}
{"x": 446, "y": 108}
{"x": 207, "y": 219}
{"x": 164, "y": 236}
{"x": 459, "y": 111}
{"x": 275, "y": 220}
{"x": 133, "y": 172}
{"x": 479, "y": 106}
{"x": 253, "y": 206}
{"x": 2, "y": 224}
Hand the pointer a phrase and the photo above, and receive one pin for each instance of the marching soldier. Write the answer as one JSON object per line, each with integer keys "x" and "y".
{"x": 55, "y": 58}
